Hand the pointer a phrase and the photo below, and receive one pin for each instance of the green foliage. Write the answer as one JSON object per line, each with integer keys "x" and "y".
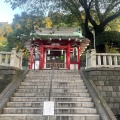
{"x": 63, "y": 20}
{"x": 110, "y": 39}
{"x": 98, "y": 13}
{"x": 111, "y": 49}
{"x": 22, "y": 26}
{"x": 3, "y": 45}
{"x": 114, "y": 25}
{"x": 5, "y": 29}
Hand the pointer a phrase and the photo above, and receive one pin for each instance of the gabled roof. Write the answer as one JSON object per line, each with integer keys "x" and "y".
{"x": 60, "y": 32}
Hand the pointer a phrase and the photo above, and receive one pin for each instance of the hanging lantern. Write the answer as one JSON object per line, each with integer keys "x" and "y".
{"x": 59, "y": 39}
{"x": 76, "y": 51}
{"x": 62, "y": 51}
{"x": 48, "y": 51}
{"x": 33, "y": 38}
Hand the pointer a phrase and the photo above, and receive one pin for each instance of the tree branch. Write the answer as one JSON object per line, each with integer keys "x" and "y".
{"x": 87, "y": 11}
{"x": 74, "y": 10}
{"x": 110, "y": 18}
{"x": 110, "y": 7}
{"x": 90, "y": 3}
{"x": 98, "y": 10}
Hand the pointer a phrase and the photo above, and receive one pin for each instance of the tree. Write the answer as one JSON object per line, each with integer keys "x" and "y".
{"x": 5, "y": 29}
{"x": 113, "y": 25}
{"x": 109, "y": 41}
{"x": 97, "y": 12}
{"x": 63, "y": 20}
{"x": 22, "y": 26}
{"x": 47, "y": 22}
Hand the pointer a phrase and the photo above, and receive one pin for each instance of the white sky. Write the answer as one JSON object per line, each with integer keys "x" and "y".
{"x": 6, "y": 12}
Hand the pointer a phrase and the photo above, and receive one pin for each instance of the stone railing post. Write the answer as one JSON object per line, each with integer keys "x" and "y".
{"x": 20, "y": 59}
{"x": 13, "y": 57}
{"x": 93, "y": 58}
{"x": 90, "y": 58}
{"x": 87, "y": 59}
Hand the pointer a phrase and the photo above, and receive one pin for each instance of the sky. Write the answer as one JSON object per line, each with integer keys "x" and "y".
{"x": 6, "y": 12}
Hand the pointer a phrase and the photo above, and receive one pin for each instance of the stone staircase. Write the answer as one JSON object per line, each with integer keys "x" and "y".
{"x": 72, "y": 99}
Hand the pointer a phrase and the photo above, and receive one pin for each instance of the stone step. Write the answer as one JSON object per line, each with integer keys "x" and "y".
{"x": 53, "y": 94}
{"x": 57, "y": 80}
{"x": 56, "y": 117}
{"x": 55, "y": 75}
{"x": 61, "y": 81}
{"x": 59, "y": 90}
{"x": 54, "y": 84}
{"x": 37, "y": 86}
{"x": 57, "y": 110}
{"x": 57, "y": 104}
{"x": 60, "y": 99}
{"x": 55, "y": 71}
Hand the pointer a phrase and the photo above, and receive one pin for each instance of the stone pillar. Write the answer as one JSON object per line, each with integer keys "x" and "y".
{"x": 13, "y": 57}
{"x": 6, "y": 59}
{"x": 93, "y": 58}
{"x": 20, "y": 55}
{"x": 90, "y": 58}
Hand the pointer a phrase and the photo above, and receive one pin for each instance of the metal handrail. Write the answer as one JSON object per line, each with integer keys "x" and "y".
{"x": 52, "y": 77}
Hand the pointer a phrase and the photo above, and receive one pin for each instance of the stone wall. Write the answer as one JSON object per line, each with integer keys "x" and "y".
{"x": 107, "y": 81}
{"x": 7, "y": 74}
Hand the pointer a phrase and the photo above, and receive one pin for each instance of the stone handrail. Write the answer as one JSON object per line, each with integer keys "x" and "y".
{"x": 11, "y": 58}
{"x": 102, "y": 107}
{"x": 10, "y": 89}
{"x": 94, "y": 59}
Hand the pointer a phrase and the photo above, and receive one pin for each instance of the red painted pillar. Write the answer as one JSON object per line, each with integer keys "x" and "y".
{"x": 41, "y": 57}
{"x": 31, "y": 57}
{"x": 68, "y": 57}
{"x": 78, "y": 58}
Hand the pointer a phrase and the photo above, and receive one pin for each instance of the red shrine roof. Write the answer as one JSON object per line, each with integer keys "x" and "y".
{"x": 61, "y": 34}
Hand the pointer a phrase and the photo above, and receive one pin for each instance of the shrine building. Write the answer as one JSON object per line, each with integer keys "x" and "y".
{"x": 59, "y": 48}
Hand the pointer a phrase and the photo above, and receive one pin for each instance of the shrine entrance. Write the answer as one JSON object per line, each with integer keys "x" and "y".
{"x": 60, "y": 49}
{"x": 55, "y": 58}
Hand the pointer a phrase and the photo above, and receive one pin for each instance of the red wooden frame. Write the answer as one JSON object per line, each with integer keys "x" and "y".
{"x": 43, "y": 47}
